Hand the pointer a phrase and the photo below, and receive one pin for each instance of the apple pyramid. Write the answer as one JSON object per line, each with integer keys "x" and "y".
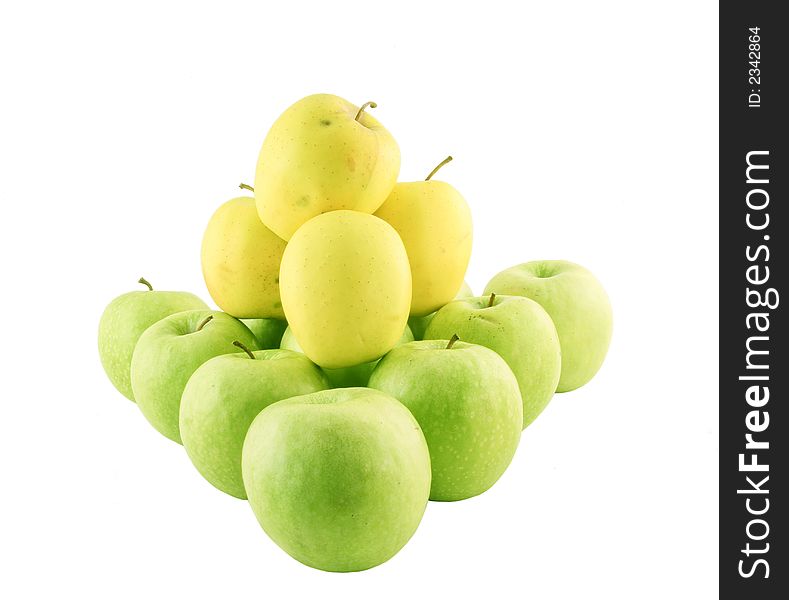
{"x": 350, "y": 374}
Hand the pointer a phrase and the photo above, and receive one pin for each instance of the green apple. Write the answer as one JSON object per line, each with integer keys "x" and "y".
{"x": 516, "y": 328}
{"x": 345, "y": 285}
{"x": 323, "y": 154}
{"x": 356, "y": 376}
{"x": 170, "y": 351}
{"x": 124, "y": 321}
{"x": 240, "y": 259}
{"x": 466, "y": 400}
{"x": 419, "y": 325}
{"x": 225, "y": 394}
{"x": 267, "y": 331}
{"x": 338, "y": 479}
{"x": 434, "y": 223}
{"x": 578, "y": 306}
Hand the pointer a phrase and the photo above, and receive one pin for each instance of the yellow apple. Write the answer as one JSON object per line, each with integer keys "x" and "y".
{"x": 434, "y": 223}
{"x": 241, "y": 258}
{"x": 346, "y": 288}
{"x": 323, "y": 154}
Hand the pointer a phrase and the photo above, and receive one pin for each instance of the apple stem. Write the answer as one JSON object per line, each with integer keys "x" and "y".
{"x": 361, "y": 110}
{"x": 204, "y": 321}
{"x": 144, "y": 281}
{"x": 452, "y": 341}
{"x": 244, "y": 186}
{"x": 492, "y": 298}
{"x": 438, "y": 166}
{"x": 238, "y": 344}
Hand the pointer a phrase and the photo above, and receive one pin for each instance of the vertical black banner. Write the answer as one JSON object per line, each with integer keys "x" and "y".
{"x": 754, "y": 436}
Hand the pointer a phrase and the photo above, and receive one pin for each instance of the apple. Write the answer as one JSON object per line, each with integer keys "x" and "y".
{"x": 323, "y": 154}
{"x": 124, "y": 321}
{"x": 346, "y": 288}
{"x": 225, "y": 394}
{"x": 419, "y": 325}
{"x": 170, "y": 351}
{"x": 578, "y": 305}
{"x": 240, "y": 258}
{"x": 434, "y": 223}
{"x": 466, "y": 400}
{"x": 519, "y": 330}
{"x": 267, "y": 331}
{"x": 338, "y": 479}
{"x": 356, "y": 376}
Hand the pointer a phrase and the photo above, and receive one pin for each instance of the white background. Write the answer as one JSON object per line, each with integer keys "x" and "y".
{"x": 580, "y": 130}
